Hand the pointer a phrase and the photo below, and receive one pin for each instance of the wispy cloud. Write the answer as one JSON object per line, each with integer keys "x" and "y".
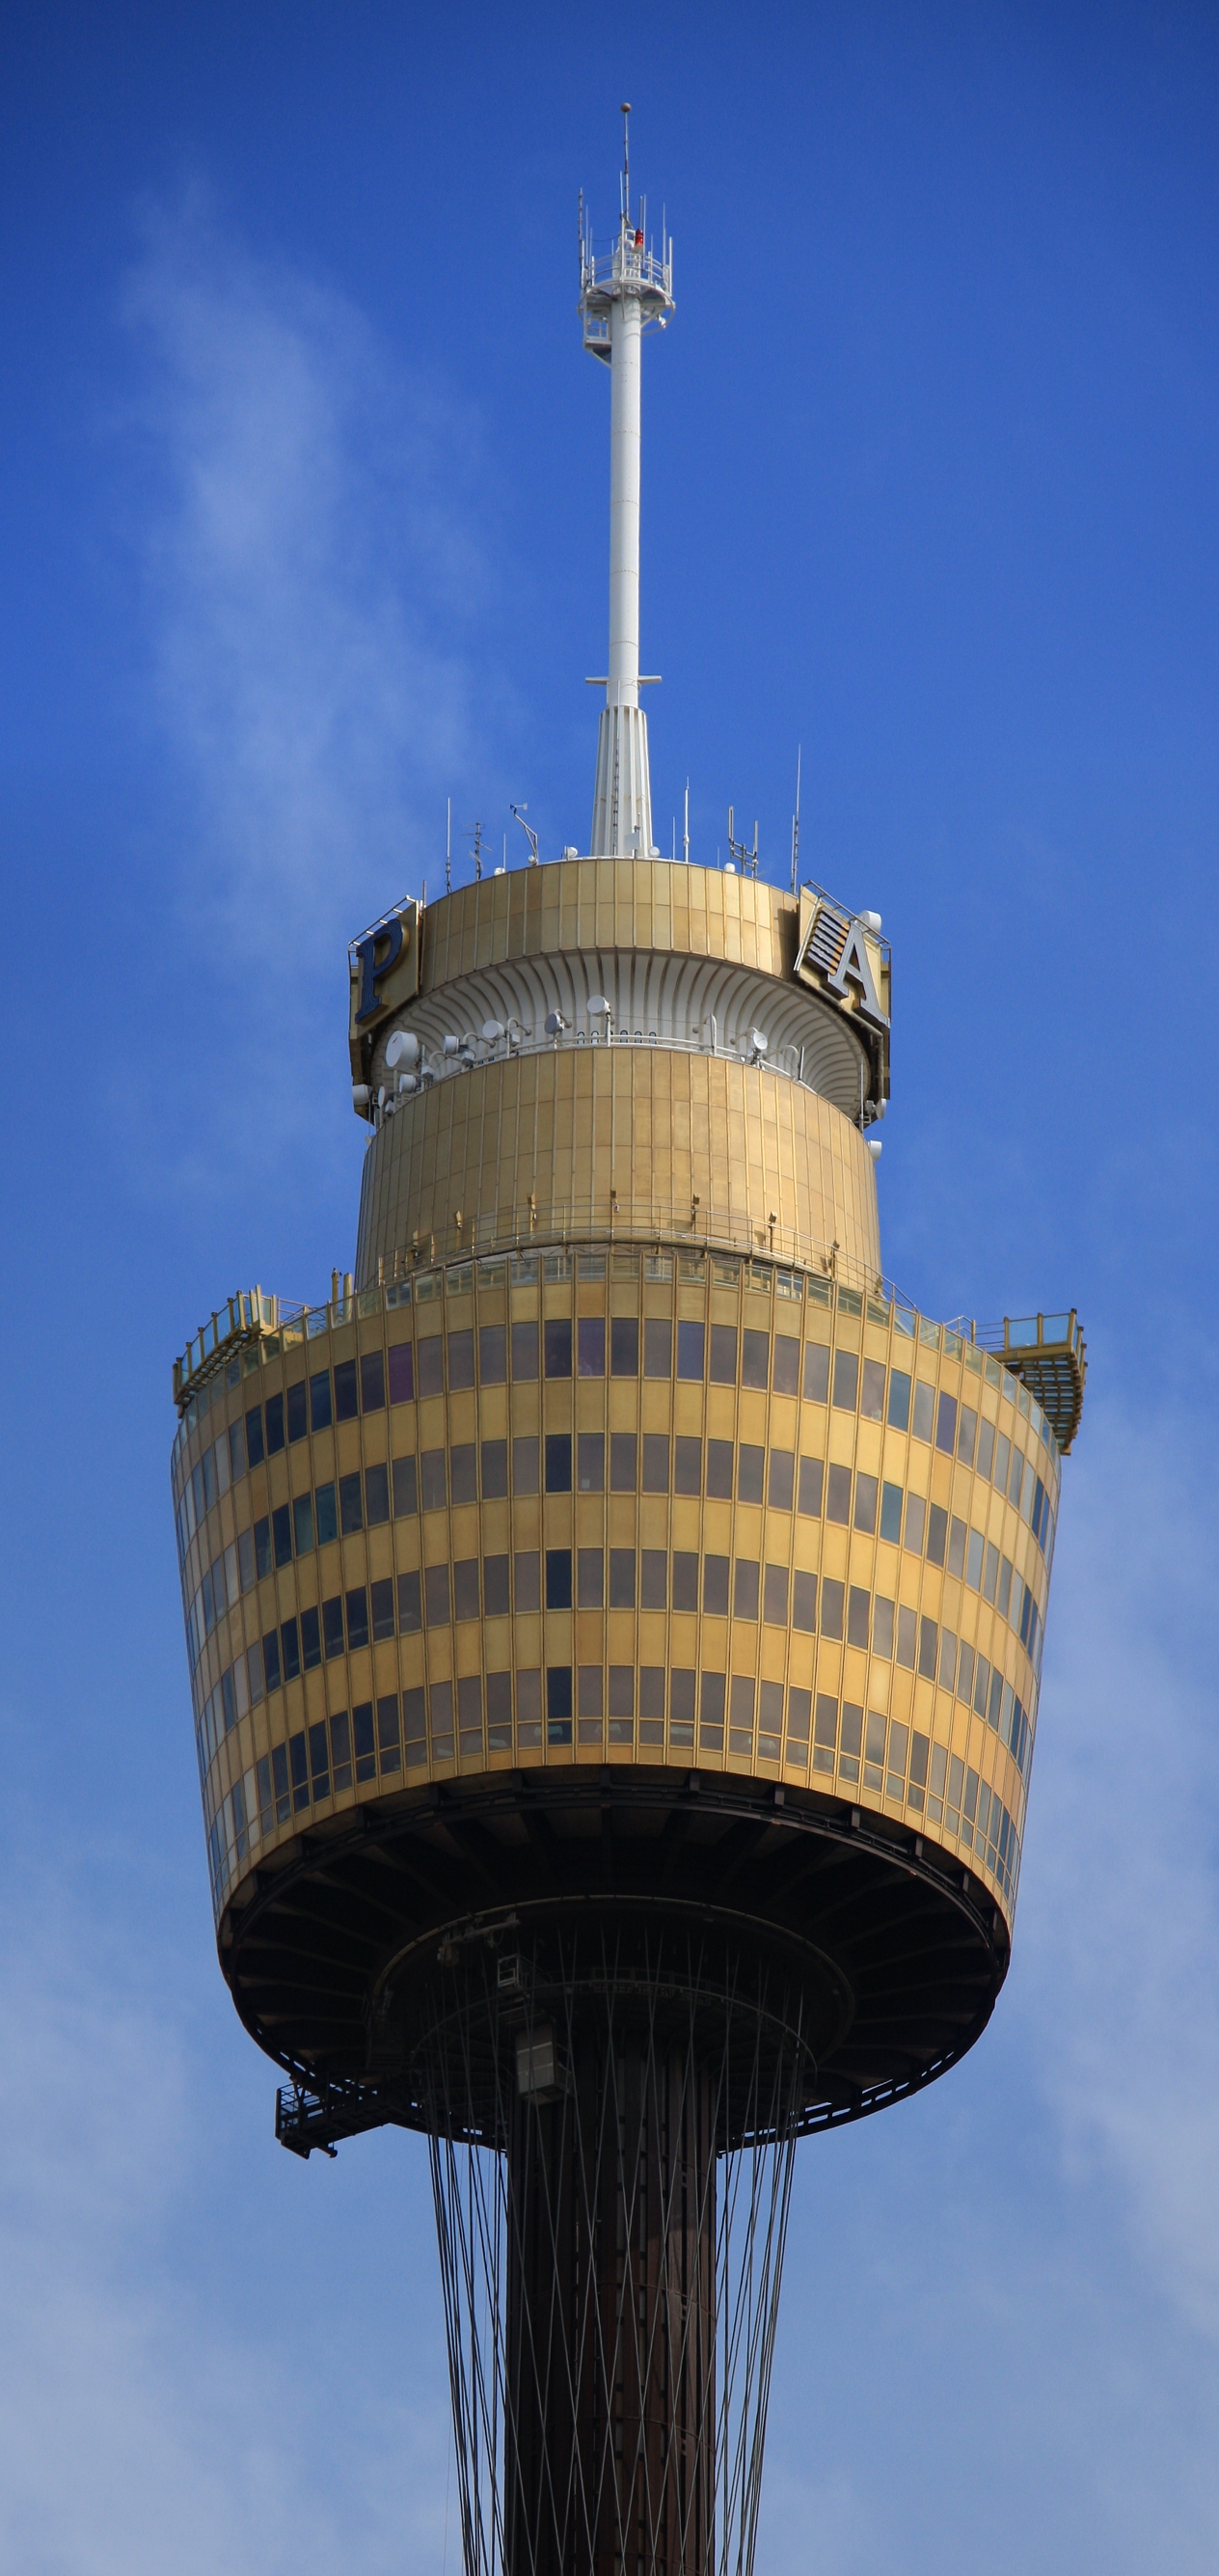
{"x": 310, "y": 538}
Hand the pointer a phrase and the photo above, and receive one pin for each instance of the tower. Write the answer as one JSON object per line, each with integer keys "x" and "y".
{"x": 614, "y": 1619}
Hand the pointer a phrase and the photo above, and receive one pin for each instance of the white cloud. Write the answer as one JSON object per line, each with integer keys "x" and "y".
{"x": 313, "y": 579}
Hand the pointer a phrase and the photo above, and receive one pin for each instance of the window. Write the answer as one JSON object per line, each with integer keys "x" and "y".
{"x": 499, "y": 1712}
{"x": 357, "y": 1615}
{"x": 825, "y": 1731}
{"x": 687, "y": 1465}
{"x": 401, "y": 1391}
{"x": 270, "y": 1658}
{"x": 657, "y": 1347}
{"x": 237, "y": 1463}
{"x": 492, "y": 1354}
{"x": 589, "y": 1696}
{"x": 723, "y": 1354}
{"x": 655, "y": 1462}
{"x": 590, "y": 1346}
{"x": 895, "y": 1783}
{"x": 973, "y": 1560}
{"x": 745, "y": 1588}
{"x": 527, "y": 1579}
{"x": 524, "y": 1351}
{"x": 440, "y": 1719}
{"x": 1005, "y": 1586}
{"x": 858, "y": 1607}
{"x": 363, "y": 1740}
{"x": 466, "y": 1603}
{"x": 245, "y": 1556}
{"x": 715, "y": 1586}
{"x": 948, "y": 1659}
{"x": 281, "y": 1524}
{"x": 785, "y": 1376}
{"x": 590, "y": 1578}
{"x": 494, "y": 1470}
{"x": 957, "y": 1534}
{"x": 253, "y": 1435}
{"x": 691, "y": 1347}
{"x": 965, "y": 1673}
{"x": 622, "y": 1578}
{"x": 298, "y": 1410}
{"x": 816, "y": 1373}
{"x": 946, "y": 1424}
{"x": 526, "y": 1455}
{"x": 556, "y": 1345}
{"x": 937, "y": 1534}
{"x": 838, "y": 1497}
{"x": 812, "y": 1475}
{"x": 653, "y": 1579}
{"x": 275, "y": 1428}
{"x": 882, "y": 1626}
{"x": 967, "y": 1435}
{"x": 907, "y": 1632}
{"x": 624, "y": 1470}
{"x": 928, "y": 1636}
{"x": 429, "y": 1356}
{"x": 558, "y": 1704}
{"x": 1003, "y": 1460}
{"x": 590, "y": 1462}
{"x": 495, "y": 1586}
{"x": 990, "y": 1579}
{"x": 381, "y": 1595}
{"x": 461, "y": 1359}
{"x": 831, "y": 1606}
{"x": 463, "y": 1474}
{"x": 558, "y": 1462}
{"x": 326, "y": 1508}
{"x": 799, "y": 1716}
{"x": 340, "y": 1750}
{"x": 782, "y": 1473}
{"x": 865, "y": 1503}
{"x": 872, "y": 1400}
{"x": 351, "y": 1505}
{"x": 750, "y": 1463}
{"x": 414, "y": 1727}
{"x": 558, "y": 1579}
{"x": 891, "y": 1513}
{"x": 924, "y": 1409}
{"x": 302, "y": 1523}
{"x": 376, "y": 1495}
{"x": 899, "y": 1400}
{"x": 346, "y": 1402}
{"x": 916, "y": 1522}
{"x": 436, "y": 1595}
{"x": 986, "y": 1448}
{"x": 846, "y": 1380}
{"x": 624, "y": 1345}
{"x": 852, "y": 1741}
{"x": 290, "y": 1649}
{"x": 719, "y": 1469}
{"x": 755, "y": 1358}
{"x": 319, "y": 1759}
{"x": 651, "y": 1703}
{"x": 774, "y": 1595}
{"x": 681, "y": 1706}
{"x": 685, "y": 1579}
{"x": 406, "y": 1488}
{"x": 711, "y": 1712}
{"x": 434, "y": 1479}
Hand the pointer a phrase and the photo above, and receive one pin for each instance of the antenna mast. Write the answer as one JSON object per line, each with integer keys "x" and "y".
{"x": 796, "y": 827}
{"x": 621, "y": 297}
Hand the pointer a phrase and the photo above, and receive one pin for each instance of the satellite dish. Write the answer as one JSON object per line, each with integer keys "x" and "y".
{"x": 402, "y": 1049}
{"x": 493, "y": 1031}
{"x": 875, "y": 1148}
{"x": 758, "y": 1042}
{"x": 870, "y": 920}
{"x": 555, "y": 1024}
{"x": 451, "y": 1045}
{"x": 598, "y": 1008}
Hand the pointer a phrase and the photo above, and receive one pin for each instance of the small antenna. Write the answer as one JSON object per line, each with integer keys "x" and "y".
{"x": 739, "y": 852}
{"x": 685, "y": 838}
{"x": 448, "y": 846}
{"x": 520, "y": 812}
{"x": 796, "y": 828}
{"x": 477, "y": 853}
{"x": 626, "y": 160}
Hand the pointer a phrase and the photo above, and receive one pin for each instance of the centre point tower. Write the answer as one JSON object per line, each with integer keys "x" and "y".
{"x": 615, "y": 1620}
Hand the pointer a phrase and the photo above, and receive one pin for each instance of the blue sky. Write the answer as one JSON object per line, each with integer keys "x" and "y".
{"x": 303, "y": 482}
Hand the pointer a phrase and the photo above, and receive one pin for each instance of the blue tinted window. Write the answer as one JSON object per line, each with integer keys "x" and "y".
{"x": 691, "y": 1339}
{"x": 298, "y": 1420}
{"x": 372, "y": 1381}
{"x": 345, "y": 1400}
{"x": 302, "y": 1523}
{"x": 946, "y": 1424}
{"x": 332, "y": 1624}
{"x": 891, "y": 1513}
{"x": 558, "y": 1578}
{"x": 327, "y": 1519}
{"x": 281, "y": 1523}
{"x": 899, "y": 1399}
{"x": 376, "y": 1494}
{"x": 270, "y": 1660}
{"x": 556, "y": 1346}
{"x": 319, "y": 1400}
{"x": 262, "y": 1547}
{"x": 290, "y": 1647}
{"x": 253, "y": 1435}
{"x": 275, "y": 1424}
{"x": 558, "y": 1704}
{"x": 351, "y": 1508}
{"x": 357, "y": 1617}
{"x": 319, "y": 1759}
{"x": 300, "y": 1774}
{"x": 558, "y": 1462}
{"x": 311, "y": 1642}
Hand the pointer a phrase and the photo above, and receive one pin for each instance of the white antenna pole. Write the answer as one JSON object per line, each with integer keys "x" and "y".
{"x": 448, "y": 846}
{"x": 796, "y": 828}
{"x": 685, "y": 838}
